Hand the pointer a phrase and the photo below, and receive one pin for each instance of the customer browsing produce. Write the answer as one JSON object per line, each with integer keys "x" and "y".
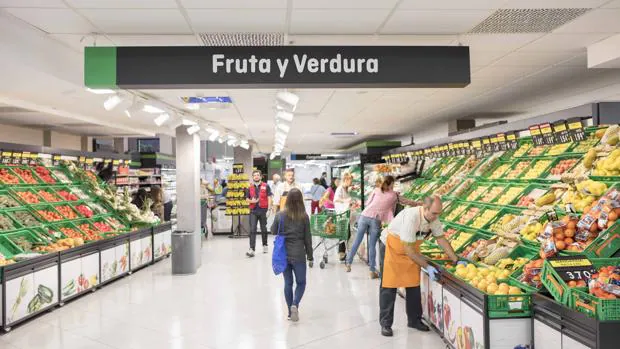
{"x": 379, "y": 209}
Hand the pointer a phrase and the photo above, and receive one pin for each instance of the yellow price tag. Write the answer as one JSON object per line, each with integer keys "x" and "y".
{"x": 575, "y": 125}
{"x": 512, "y": 137}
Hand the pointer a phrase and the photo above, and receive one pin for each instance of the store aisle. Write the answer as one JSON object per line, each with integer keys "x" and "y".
{"x": 233, "y": 302}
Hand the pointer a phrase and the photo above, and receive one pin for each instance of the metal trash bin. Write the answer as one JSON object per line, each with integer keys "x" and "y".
{"x": 184, "y": 257}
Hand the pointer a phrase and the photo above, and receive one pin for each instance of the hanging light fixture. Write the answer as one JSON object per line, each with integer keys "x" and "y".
{"x": 284, "y": 115}
{"x": 161, "y": 119}
{"x": 100, "y": 91}
{"x": 111, "y": 102}
{"x": 193, "y": 129}
{"x": 151, "y": 109}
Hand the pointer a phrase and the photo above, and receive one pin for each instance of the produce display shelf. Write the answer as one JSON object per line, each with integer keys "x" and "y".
{"x": 582, "y": 301}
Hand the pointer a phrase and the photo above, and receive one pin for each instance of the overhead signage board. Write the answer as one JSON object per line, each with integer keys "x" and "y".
{"x": 277, "y": 67}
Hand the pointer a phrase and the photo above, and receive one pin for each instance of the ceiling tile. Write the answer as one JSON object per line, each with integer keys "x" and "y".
{"x": 154, "y": 40}
{"x": 534, "y": 59}
{"x": 433, "y": 22}
{"x": 55, "y": 21}
{"x": 237, "y": 4}
{"x": 497, "y": 42}
{"x": 138, "y": 21}
{"x": 342, "y": 4}
{"x": 336, "y": 21}
{"x": 127, "y": 4}
{"x": 450, "y": 4}
{"x": 565, "y": 42}
{"x": 482, "y": 58}
{"x": 33, "y": 3}
{"x": 612, "y": 4}
{"x": 238, "y": 20}
{"x": 371, "y": 39}
{"x": 507, "y": 73}
{"x": 595, "y": 21}
{"x": 523, "y": 4}
{"x": 79, "y": 41}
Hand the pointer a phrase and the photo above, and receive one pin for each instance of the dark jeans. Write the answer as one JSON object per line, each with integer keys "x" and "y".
{"x": 342, "y": 247}
{"x": 299, "y": 269}
{"x": 168, "y": 211}
{"x": 387, "y": 299}
{"x": 255, "y": 217}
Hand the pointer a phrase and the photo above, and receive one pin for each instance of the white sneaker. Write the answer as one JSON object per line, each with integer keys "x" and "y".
{"x": 265, "y": 249}
{"x": 250, "y": 253}
{"x": 294, "y": 313}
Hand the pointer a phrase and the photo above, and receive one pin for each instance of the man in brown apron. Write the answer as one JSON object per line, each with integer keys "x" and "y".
{"x": 401, "y": 260}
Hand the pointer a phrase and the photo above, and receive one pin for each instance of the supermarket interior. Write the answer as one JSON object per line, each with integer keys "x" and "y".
{"x": 184, "y": 174}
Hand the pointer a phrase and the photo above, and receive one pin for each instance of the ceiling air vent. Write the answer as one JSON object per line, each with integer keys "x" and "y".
{"x": 344, "y": 134}
{"x": 242, "y": 39}
{"x": 528, "y": 20}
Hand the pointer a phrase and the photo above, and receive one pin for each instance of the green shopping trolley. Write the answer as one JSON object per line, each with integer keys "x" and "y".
{"x": 329, "y": 226}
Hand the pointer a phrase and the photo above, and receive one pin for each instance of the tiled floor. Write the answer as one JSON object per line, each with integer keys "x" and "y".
{"x": 232, "y": 302}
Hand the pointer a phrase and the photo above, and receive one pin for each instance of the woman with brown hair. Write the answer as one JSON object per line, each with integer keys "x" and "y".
{"x": 294, "y": 224}
{"x": 157, "y": 195}
{"x": 379, "y": 209}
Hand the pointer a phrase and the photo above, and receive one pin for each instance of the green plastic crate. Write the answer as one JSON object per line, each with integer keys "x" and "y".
{"x": 546, "y": 162}
{"x": 499, "y": 189}
{"x": 514, "y": 173}
{"x": 49, "y": 190}
{"x": 601, "y": 309}
{"x": 10, "y": 171}
{"x": 606, "y": 244}
{"x": 19, "y": 215}
{"x": 529, "y": 189}
{"x": 554, "y": 284}
{"x": 16, "y": 194}
{"x": 9, "y": 198}
{"x": 7, "y": 217}
{"x": 495, "y": 170}
{"x": 549, "y": 178}
{"x": 33, "y": 238}
{"x": 7, "y": 248}
{"x": 510, "y": 305}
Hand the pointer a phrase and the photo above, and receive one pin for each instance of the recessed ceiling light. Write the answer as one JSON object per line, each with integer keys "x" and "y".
{"x": 193, "y": 129}
{"x": 188, "y": 122}
{"x": 101, "y": 91}
{"x": 152, "y": 109}
{"x": 283, "y": 127}
{"x": 284, "y": 115}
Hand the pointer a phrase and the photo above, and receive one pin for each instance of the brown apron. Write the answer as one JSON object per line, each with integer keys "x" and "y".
{"x": 398, "y": 269}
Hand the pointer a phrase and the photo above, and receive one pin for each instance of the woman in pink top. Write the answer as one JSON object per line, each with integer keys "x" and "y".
{"x": 328, "y": 197}
{"x": 379, "y": 209}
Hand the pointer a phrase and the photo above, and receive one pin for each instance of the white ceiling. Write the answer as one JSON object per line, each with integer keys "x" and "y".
{"x": 522, "y": 74}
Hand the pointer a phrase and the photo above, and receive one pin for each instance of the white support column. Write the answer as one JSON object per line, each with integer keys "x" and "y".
{"x": 188, "y": 186}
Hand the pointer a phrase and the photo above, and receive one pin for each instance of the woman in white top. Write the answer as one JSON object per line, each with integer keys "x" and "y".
{"x": 342, "y": 202}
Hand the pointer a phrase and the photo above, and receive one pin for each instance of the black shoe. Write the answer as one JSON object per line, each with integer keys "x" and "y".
{"x": 420, "y": 327}
{"x": 386, "y": 331}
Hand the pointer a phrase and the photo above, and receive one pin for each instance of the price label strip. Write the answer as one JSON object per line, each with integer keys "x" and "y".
{"x": 56, "y": 159}
{"x": 560, "y": 133}
{"x": 17, "y": 158}
{"x": 572, "y": 268}
{"x": 575, "y": 129}
{"x": 7, "y": 157}
{"x": 511, "y": 140}
{"x": 26, "y": 158}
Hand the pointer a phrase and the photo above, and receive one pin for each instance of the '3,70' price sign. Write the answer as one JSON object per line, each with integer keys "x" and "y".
{"x": 572, "y": 267}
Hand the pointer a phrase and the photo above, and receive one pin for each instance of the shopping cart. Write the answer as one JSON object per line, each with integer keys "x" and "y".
{"x": 328, "y": 225}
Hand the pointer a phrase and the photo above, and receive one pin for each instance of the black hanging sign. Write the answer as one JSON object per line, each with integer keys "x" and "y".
{"x": 7, "y": 157}
{"x": 536, "y": 135}
{"x": 575, "y": 129}
{"x": 56, "y": 159}
{"x": 572, "y": 268}
{"x": 17, "y": 158}
{"x": 547, "y": 133}
{"x": 238, "y": 168}
{"x": 511, "y": 140}
{"x": 560, "y": 132}
{"x": 486, "y": 145}
{"x": 501, "y": 139}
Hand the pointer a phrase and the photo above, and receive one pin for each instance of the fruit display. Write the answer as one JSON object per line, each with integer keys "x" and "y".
{"x": 25, "y": 218}
{"x": 491, "y": 194}
{"x": 460, "y": 239}
{"x": 50, "y": 216}
{"x": 6, "y": 177}
{"x": 487, "y": 164}
{"x": 586, "y": 144}
{"x": 517, "y": 169}
{"x": 97, "y": 208}
{"x": 510, "y": 194}
{"x": 561, "y": 167}
{"x": 28, "y": 197}
{"x": 605, "y": 284}
{"x": 484, "y": 218}
{"x": 48, "y": 196}
{"x": 68, "y": 196}
{"x": 60, "y": 245}
{"x": 26, "y": 175}
{"x": 7, "y": 202}
{"x": 468, "y": 215}
{"x": 535, "y": 171}
{"x": 487, "y": 280}
{"x": 509, "y": 224}
{"x": 558, "y": 149}
{"x": 66, "y": 211}
{"x": 102, "y": 227}
{"x": 6, "y": 223}
{"x": 45, "y": 175}
{"x": 84, "y": 210}
{"x": 560, "y": 235}
{"x": 90, "y": 234}
{"x": 477, "y": 192}
{"x": 114, "y": 223}
{"x": 463, "y": 187}
{"x": 608, "y": 165}
{"x": 523, "y": 149}
{"x": 537, "y": 151}
{"x": 499, "y": 171}
{"x": 456, "y": 212}
{"x": 531, "y": 273}
{"x": 531, "y": 231}
{"x": 448, "y": 186}
{"x": 62, "y": 177}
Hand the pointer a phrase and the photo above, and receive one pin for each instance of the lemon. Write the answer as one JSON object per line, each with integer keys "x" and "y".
{"x": 492, "y": 288}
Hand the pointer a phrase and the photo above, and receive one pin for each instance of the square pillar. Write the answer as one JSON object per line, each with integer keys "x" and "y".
{"x": 188, "y": 186}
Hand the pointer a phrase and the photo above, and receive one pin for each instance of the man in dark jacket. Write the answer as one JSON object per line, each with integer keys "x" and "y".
{"x": 324, "y": 180}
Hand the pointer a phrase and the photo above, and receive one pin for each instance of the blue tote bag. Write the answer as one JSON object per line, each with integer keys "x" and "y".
{"x": 278, "y": 260}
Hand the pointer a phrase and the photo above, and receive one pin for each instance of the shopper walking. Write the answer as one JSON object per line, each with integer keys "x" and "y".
{"x": 316, "y": 191}
{"x": 258, "y": 196}
{"x": 279, "y": 198}
{"x": 327, "y": 201}
{"x": 379, "y": 209}
{"x": 324, "y": 180}
{"x": 294, "y": 224}
{"x": 401, "y": 259}
{"x": 342, "y": 203}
